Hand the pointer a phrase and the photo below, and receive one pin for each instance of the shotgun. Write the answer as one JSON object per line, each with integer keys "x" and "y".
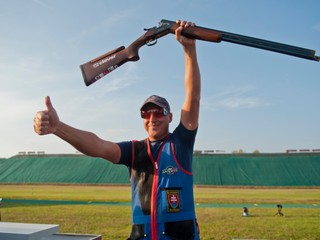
{"x": 106, "y": 63}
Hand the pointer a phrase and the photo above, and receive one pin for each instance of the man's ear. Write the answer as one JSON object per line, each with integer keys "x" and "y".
{"x": 170, "y": 117}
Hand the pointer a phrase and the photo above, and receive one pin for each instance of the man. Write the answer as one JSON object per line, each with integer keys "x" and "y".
{"x": 160, "y": 166}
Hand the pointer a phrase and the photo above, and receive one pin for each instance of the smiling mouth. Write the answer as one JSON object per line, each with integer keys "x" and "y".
{"x": 153, "y": 125}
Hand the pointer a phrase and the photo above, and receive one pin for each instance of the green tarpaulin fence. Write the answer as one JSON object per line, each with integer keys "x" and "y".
{"x": 299, "y": 169}
{"x": 61, "y": 169}
{"x": 258, "y": 170}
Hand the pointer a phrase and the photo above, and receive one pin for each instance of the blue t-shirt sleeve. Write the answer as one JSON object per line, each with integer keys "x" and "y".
{"x": 183, "y": 140}
{"x": 126, "y": 153}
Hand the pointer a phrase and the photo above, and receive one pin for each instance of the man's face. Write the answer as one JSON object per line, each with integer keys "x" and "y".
{"x": 155, "y": 123}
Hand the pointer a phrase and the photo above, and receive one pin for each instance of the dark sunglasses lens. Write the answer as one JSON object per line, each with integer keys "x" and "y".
{"x": 147, "y": 114}
{"x": 158, "y": 113}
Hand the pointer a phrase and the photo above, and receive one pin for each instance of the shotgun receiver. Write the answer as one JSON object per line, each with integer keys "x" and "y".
{"x": 106, "y": 63}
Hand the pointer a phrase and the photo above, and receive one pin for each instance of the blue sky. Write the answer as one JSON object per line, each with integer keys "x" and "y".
{"x": 251, "y": 99}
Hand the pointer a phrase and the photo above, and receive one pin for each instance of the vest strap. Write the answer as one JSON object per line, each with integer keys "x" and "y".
{"x": 174, "y": 217}
{"x": 166, "y": 218}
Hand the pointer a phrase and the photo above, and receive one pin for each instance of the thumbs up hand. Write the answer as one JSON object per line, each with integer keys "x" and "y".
{"x": 46, "y": 121}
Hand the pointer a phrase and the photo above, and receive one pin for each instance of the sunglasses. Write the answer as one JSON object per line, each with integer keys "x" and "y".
{"x": 158, "y": 113}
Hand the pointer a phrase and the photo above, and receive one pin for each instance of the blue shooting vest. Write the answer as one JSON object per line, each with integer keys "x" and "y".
{"x": 162, "y": 195}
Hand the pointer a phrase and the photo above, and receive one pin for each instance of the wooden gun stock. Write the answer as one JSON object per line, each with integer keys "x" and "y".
{"x": 106, "y": 63}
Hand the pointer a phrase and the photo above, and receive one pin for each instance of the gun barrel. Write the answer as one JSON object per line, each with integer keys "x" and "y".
{"x": 269, "y": 45}
{"x": 217, "y": 36}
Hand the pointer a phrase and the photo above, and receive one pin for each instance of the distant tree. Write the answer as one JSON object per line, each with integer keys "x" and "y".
{"x": 240, "y": 151}
{"x": 197, "y": 152}
{"x": 256, "y": 151}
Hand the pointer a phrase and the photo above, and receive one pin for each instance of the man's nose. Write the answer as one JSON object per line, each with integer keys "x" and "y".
{"x": 152, "y": 117}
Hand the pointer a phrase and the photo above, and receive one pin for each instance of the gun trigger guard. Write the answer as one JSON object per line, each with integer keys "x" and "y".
{"x": 151, "y": 43}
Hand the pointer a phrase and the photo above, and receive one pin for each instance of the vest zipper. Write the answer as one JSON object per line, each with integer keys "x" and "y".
{"x": 154, "y": 225}
{"x": 154, "y": 193}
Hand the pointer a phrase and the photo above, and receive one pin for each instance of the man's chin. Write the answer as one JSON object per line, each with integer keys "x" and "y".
{"x": 154, "y": 135}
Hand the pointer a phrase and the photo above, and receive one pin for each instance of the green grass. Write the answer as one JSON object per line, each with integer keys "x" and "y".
{"x": 114, "y": 222}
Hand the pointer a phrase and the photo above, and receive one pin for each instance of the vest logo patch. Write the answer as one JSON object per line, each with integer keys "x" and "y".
{"x": 173, "y": 200}
{"x": 169, "y": 170}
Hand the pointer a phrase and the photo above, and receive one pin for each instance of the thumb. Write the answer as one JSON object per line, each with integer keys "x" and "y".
{"x": 48, "y": 103}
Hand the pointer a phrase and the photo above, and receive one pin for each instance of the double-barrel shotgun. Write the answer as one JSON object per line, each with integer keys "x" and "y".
{"x": 106, "y": 63}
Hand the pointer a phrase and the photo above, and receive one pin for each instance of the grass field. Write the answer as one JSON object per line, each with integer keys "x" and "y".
{"x": 113, "y": 221}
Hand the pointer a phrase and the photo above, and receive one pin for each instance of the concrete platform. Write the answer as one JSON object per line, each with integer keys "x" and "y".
{"x": 28, "y": 231}
{"x": 60, "y": 236}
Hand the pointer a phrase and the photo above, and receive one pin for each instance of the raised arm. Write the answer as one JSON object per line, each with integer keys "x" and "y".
{"x": 48, "y": 122}
{"x": 192, "y": 80}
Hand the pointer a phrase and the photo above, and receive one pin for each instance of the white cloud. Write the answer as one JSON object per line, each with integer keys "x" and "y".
{"x": 317, "y": 27}
{"x": 235, "y": 98}
{"x": 99, "y": 29}
{"x": 43, "y": 4}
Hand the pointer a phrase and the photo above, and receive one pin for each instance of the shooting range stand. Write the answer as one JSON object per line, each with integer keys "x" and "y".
{"x": 27, "y": 231}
